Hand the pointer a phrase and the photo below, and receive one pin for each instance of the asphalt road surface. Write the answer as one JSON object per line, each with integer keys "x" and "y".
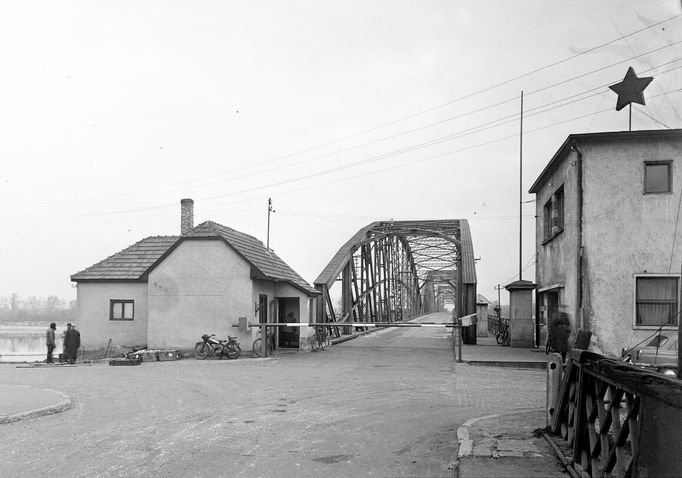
{"x": 385, "y": 404}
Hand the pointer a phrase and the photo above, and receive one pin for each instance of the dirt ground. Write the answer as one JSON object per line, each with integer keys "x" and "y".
{"x": 385, "y": 404}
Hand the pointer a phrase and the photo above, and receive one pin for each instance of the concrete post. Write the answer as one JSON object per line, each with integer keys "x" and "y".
{"x": 554, "y": 372}
{"x": 482, "y": 313}
{"x": 521, "y": 330}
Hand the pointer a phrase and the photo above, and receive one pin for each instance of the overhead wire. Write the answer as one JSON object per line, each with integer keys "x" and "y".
{"x": 346, "y": 166}
{"x": 126, "y": 196}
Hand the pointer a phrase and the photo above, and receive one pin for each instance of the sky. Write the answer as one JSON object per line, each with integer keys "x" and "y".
{"x": 343, "y": 112}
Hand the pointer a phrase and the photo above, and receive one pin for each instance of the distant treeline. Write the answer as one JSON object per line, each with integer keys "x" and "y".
{"x": 32, "y": 308}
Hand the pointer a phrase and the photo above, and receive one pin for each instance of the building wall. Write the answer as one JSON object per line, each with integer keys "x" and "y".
{"x": 557, "y": 258}
{"x": 625, "y": 232}
{"x": 202, "y": 287}
{"x": 93, "y": 314}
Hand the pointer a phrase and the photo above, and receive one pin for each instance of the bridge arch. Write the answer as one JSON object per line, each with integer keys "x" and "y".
{"x": 395, "y": 270}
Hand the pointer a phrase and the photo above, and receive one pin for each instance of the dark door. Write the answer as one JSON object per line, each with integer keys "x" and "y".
{"x": 262, "y": 308}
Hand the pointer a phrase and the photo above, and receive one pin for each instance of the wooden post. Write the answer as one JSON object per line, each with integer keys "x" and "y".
{"x": 679, "y": 337}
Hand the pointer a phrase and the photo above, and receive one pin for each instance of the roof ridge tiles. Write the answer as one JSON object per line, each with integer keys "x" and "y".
{"x": 213, "y": 223}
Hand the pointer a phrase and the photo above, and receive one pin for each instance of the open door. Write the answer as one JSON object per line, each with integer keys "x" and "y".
{"x": 289, "y": 312}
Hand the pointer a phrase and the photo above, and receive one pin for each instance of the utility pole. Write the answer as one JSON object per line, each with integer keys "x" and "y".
{"x": 521, "y": 190}
{"x": 499, "y": 301}
{"x": 269, "y": 211}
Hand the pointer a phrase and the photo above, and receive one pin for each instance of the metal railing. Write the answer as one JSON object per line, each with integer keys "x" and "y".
{"x": 617, "y": 419}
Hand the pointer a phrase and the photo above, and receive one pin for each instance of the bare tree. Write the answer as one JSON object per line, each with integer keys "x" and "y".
{"x": 53, "y": 303}
{"x": 14, "y": 304}
{"x": 34, "y": 305}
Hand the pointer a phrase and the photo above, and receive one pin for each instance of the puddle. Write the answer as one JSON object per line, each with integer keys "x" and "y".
{"x": 333, "y": 458}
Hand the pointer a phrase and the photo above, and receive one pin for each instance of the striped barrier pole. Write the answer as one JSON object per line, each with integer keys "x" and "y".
{"x": 265, "y": 325}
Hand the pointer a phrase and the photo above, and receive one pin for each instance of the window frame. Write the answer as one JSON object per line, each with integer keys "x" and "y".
{"x": 676, "y": 317}
{"x": 123, "y": 302}
{"x": 667, "y": 163}
{"x": 553, "y": 227}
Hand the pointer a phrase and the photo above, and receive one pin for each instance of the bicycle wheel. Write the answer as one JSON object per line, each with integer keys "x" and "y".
{"x": 500, "y": 338}
{"x": 256, "y": 347}
{"x": 505, "y": 337}
{"x": 202, "y": 350}
{"x": 232, "y": 351}
{"x": 315, "y": 344}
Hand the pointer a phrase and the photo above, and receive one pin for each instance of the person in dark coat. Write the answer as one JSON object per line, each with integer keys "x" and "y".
{"x": 72, "y": 340}
{"x": 559, "y": 331}
{"x": 50, "y": 341}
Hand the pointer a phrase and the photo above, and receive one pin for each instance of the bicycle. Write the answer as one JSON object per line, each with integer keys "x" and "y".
{"x": 319, "y": 339}
{"x": 209, "y": 346}
{"x": 502, "y": 332}
{"x": 257, "y": 345}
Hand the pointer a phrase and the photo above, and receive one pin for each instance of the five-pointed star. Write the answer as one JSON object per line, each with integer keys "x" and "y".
{"x": 631, "y": 89}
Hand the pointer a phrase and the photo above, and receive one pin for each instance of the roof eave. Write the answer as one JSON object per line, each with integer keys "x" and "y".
{"x": 574, "y": 139}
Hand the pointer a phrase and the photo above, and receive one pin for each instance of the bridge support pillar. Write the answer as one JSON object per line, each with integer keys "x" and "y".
{"x": 521, "y": 330}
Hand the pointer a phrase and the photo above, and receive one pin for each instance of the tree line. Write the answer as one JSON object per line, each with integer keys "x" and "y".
{"x": 33, "y": 308}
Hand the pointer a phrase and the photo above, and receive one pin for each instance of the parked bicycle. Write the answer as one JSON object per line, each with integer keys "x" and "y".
{"x": 319, "y": 339}
{"x": 502, "y": 331}
{"x": 210, "y": 346}
{"x": 257, "y": 344}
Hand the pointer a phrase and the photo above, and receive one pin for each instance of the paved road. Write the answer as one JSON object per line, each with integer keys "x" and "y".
{"x": 385, "y": 404}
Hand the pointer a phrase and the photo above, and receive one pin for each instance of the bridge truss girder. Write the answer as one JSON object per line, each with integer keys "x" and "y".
{"x": 395, "y": 270}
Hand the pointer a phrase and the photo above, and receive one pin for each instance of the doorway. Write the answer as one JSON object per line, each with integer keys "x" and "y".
{"x": 289, "y": 312}
{"x": 549, "y": 306}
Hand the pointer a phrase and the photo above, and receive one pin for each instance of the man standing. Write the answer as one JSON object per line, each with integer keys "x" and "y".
{"x": 49, "y": 341}
{"x": 72, "y": 340}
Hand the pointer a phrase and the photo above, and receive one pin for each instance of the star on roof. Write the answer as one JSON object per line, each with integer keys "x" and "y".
{"x": 631, "y": 89}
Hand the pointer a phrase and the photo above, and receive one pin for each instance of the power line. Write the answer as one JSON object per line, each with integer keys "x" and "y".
{"x": 472, "y": 130}
{"x": 356, "y": 163}
{"x": 126, "y": 196}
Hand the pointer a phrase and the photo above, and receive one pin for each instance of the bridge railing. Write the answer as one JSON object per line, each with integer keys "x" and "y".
{"x": 618, "y": 420}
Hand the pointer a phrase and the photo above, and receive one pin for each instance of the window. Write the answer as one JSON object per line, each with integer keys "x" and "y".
{"x": 121, "y": 310}
{"x": 656, "y": 300}
{"x": 553, "y": 215}
{"x": 657, "y": 177}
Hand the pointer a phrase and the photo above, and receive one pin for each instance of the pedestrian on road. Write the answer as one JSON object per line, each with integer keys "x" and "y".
{"x": 72, "y": 340}
{"x": 50, "y": 342}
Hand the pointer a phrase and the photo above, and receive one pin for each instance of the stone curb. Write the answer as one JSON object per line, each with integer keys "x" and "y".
{"x": 466, "y": 443}
{"x": 508, "y": 363}
{"x": 62, "y": 406}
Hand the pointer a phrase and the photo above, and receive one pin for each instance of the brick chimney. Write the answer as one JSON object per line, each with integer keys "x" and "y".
{"x": 186, "y": 216}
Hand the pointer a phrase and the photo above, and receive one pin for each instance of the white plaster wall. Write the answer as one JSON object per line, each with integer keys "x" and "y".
{"x": 557, "y": 259}
{"x": 93, "y": 314}
{"x": 626, "y": 232}
{"x": 203, "y": 286}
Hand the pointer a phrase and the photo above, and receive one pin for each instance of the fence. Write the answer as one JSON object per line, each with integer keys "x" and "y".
{"x": 618, "y": 420}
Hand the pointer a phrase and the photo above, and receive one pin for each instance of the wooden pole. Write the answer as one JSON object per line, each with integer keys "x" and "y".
{"x": 269, "y": 211}
{"x": 679, "y": 340}
{"x": 521, "y": 190}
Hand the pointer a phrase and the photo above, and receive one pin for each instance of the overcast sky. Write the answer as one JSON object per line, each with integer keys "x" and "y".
{"x": 343, "y": 112}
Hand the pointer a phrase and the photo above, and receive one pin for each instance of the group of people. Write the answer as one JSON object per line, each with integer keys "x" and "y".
{"x": 72, "y": 340}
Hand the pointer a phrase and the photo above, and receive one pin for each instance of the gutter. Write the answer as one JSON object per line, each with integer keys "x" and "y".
{"x": 579, "y": 224}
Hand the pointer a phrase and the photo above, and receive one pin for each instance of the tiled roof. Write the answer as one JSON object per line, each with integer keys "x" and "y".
{"x": 131, "y": 263}
{"x": 268, "y": 264}
{"x": 137, "y": 260}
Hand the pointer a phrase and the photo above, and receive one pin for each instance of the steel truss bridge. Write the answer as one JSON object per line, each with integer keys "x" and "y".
{"x": 391, "y": 271}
